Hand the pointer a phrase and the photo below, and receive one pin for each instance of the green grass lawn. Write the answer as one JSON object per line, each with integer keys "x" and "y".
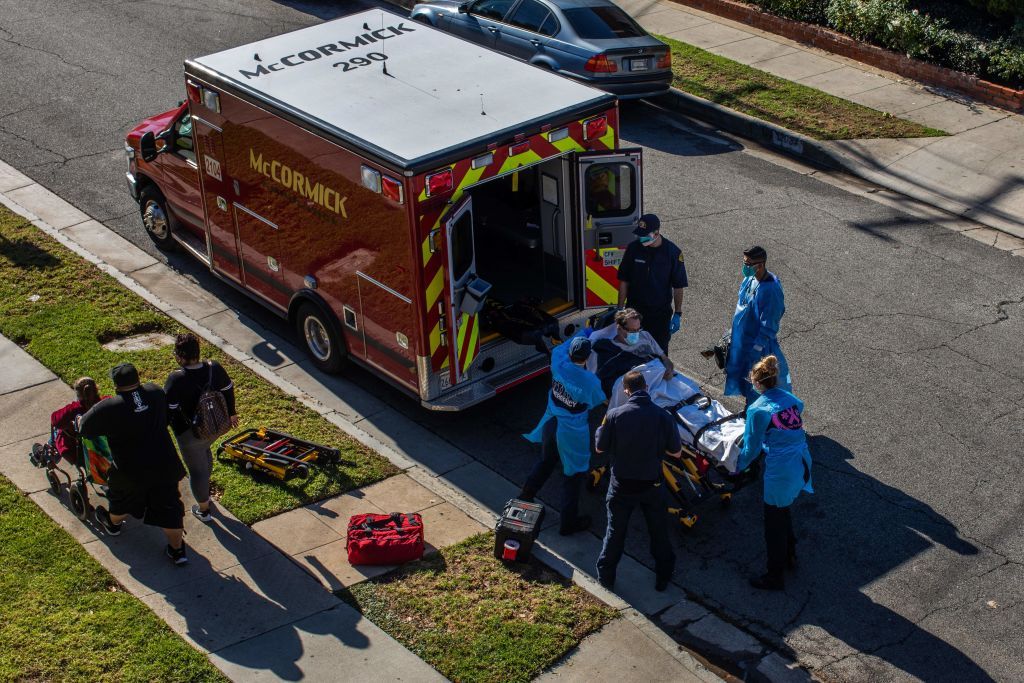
{"x": 797, "y": 107}
{"x": 64, "y": 618}
{"x": 473, "y": 618}
{"x": 62, "y": 309}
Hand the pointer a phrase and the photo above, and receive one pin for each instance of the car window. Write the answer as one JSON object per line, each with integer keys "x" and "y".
{"x": 611, "y": 190}
{"x": 492, "y": 9}
{"x": 530, "y": 15}
{"x": 183, "y": 143}
{"x": 599, "y": 23}
{"x": 549, "y": 27}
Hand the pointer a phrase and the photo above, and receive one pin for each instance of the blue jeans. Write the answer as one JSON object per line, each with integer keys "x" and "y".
{"x": 620, "y": 509}
{"x": 549, "y": 460}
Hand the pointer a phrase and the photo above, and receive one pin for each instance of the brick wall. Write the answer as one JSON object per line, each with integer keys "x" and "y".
{"x": 829, "y": 40}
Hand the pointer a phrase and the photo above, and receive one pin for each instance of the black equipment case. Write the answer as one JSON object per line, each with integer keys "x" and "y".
{"x": 521, "y": 522}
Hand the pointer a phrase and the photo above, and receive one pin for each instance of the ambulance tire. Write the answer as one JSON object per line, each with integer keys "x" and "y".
{"x": 156, "y": 219}
{"x": 318, "y": 333}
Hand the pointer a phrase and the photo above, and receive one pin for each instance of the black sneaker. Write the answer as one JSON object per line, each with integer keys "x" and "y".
{"x": 526, "y": 496}
{"x": 178, "y": 556}
{"x": 661, "y": 583}
{"x": 103, "y": 517}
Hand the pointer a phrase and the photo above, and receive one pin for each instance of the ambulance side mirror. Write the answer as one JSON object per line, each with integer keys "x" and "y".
{"x": 464, "y": 8}
{"x": 147, "y": 147}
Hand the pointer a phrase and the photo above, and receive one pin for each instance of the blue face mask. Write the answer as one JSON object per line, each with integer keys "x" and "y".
{"x": 646, "y": 239}
{"x": 748, "y": 271}
{"x": 632, "y": 337}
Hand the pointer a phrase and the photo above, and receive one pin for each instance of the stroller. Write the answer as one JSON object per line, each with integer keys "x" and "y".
{"x": 90, "y": 470}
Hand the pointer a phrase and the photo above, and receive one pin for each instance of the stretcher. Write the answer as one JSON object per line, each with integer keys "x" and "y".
{"x": 278, "y": 454}
{"x": 710, "y": 434}
{"x": 90, "y": 470}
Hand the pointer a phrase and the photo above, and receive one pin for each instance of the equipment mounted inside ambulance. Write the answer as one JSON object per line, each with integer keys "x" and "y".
{"x": 381, "y": 183}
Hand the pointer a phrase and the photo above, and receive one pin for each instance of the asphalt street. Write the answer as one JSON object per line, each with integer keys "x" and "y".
{"x": 904, "y": 339}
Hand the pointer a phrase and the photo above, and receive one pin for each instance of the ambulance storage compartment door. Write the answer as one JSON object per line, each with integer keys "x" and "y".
{"x": 385, "y": 322}
{"x": 217, "y": 191}
{"x": 463, "y": 331}
{"x": 611, "y": 203}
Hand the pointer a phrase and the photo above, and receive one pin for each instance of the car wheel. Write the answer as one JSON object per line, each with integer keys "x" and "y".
{"x": 318, "y": 332}
{"x": 156, "y": 219}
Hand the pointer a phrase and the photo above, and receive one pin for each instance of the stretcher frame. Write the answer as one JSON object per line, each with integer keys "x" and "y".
{"x": 285, "y": 457}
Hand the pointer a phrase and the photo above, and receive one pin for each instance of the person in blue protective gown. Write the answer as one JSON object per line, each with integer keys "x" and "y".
{"x": 564, "y": 431}
{"x": 775, "y": 425}
{"x": 755, "y": 326}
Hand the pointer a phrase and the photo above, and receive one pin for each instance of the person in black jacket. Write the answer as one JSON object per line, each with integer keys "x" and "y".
{"x": 637, "y": 435}
{"x": 143, "y": 477}
{"x": 183, "y": 387}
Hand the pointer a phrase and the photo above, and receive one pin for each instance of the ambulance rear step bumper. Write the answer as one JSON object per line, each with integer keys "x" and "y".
{"x": 487, "y": 387}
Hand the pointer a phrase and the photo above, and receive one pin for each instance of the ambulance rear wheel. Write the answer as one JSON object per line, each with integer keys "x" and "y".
{"x": 318, "y": 331}
{"x": 156, "y": 219}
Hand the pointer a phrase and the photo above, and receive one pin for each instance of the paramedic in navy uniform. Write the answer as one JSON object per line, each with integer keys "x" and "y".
{"x": 652, "y": 276}
{"x": 636, "y": 436}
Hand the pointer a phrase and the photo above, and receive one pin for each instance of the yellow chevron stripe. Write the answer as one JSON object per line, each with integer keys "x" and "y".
{"x": 601, "y": 287}
{"x": 435, "y": 338}
{"x": 567, "y": 145}
{"x": 473, "y": 339}
{"x": 425, "y": 248}
{"x": 462, "y": 331}
{"x": 435, "y": 288}
{"x": 609, "y": 138}
{"x": 512, "y": 163}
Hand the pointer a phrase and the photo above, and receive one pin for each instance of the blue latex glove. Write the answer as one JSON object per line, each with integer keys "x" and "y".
{"x": 677, "y": 321}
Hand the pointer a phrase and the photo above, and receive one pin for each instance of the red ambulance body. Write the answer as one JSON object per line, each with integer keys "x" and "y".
{"x": 377, "y": 182}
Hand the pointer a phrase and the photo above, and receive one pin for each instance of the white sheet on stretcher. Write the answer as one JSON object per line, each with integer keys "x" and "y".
{"x": 719, "y": 443}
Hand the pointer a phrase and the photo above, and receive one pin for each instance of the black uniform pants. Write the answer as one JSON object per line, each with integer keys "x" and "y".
{"x": 620, "y": 509}
{"x": 778, "y": 538}
{"x": 656, "y": 321}
{"x": 545, "y": 467}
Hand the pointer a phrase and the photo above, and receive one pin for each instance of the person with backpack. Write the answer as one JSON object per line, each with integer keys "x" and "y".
{"x": 201, "y": 404}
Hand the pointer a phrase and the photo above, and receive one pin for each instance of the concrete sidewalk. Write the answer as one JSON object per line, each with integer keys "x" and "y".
{"x": 977, "y": 172}
{"x": 244, "y": 597}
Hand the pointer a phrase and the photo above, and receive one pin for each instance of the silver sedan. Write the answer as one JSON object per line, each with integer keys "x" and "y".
{"x": 593, "y": 41}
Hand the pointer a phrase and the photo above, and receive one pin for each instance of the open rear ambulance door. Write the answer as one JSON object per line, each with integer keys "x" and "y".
{"x": 462, "y": 330}
{"x": 611, "y": 203}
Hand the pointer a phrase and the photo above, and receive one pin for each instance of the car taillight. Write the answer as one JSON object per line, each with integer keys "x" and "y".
{"x": 595, "y": 128}
{"x": 601, "y": 64}
{"x": 664, "y": 61}
{"x": 391, "y": 188}
{"x": 440, "y": 182}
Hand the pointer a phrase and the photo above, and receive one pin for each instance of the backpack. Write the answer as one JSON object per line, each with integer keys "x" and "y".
{"x": 211, "y": 419}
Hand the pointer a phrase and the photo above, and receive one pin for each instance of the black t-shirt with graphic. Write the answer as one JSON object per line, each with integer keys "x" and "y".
{"x": 135, "y": 424}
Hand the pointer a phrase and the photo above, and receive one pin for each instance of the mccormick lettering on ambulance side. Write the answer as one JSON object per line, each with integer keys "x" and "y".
{"x": 311, "y": 55}
{"x": 298, "y": 183}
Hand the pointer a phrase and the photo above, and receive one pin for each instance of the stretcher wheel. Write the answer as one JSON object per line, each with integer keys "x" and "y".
{"x": 79, "y": 501}
{"x": 301, "y": 471}
{"x": 51, "y": 478}
{"x": 687, "y": 521}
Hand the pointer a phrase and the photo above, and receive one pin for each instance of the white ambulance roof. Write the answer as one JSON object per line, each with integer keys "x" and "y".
{"x": 438, "y": 91}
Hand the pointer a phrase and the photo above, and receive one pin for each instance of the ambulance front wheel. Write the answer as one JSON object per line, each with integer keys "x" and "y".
{"x": 318, "y": 330}
{"x": 156, "y": 219}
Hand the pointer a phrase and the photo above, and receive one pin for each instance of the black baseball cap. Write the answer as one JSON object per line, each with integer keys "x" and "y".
{"x": 124, "y": 375}
{"x": 647, "y": 224}
{"x": 579, "y": 349}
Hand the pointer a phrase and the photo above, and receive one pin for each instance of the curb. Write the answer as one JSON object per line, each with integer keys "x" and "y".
{"x": 822, "y": 155}
{"x": 422, "y": 475}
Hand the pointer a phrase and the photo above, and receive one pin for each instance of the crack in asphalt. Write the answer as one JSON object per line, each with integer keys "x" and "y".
{"x": 9, "y": 38}
{"x": 67, "y": 160}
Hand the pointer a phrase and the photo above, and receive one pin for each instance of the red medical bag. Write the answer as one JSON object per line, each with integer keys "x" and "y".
{"x": 385, "y": 539}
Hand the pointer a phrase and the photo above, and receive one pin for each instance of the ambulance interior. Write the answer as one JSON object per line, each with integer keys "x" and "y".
{"x": 521, "y": 240}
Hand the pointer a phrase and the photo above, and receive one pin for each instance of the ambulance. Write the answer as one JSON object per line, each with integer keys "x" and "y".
{"x": 382, "y": 185}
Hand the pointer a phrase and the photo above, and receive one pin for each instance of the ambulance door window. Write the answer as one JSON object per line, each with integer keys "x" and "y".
{"x": 610, "y": 190}
{"x": 184, "y": 145}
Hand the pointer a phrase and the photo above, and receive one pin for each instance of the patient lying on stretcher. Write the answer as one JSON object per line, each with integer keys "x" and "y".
{"x": 621, "y": 346}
